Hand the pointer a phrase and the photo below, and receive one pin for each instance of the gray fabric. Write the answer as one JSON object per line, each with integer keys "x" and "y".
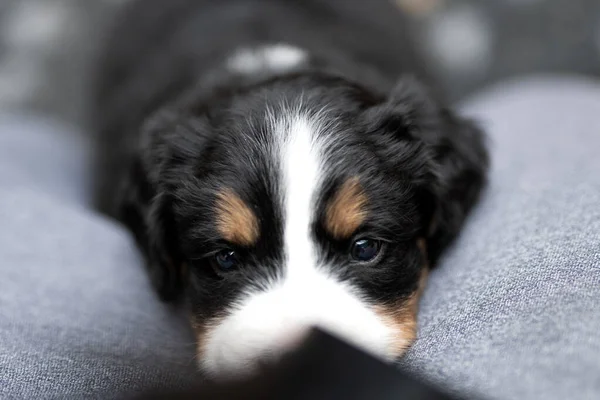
{"x": 514, "y": 311}
{"x": 78, "y": 318}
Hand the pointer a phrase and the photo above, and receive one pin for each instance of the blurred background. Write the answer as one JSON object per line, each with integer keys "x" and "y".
{"x": 46, "y": 47}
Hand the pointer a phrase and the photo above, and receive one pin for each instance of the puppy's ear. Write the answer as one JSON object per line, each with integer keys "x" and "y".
{"x": 150, "y": 219}
{"x": 146, "y": 202}
{"x": 445, "y": 156}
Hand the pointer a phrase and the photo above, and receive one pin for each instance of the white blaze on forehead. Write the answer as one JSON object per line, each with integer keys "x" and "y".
{"x": 266, "y": 324}
{"x": 277, "y": 58}
{"x": 301, "y": 166}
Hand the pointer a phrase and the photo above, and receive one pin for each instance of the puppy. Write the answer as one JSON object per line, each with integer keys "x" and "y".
{"x": 282, "y": 164}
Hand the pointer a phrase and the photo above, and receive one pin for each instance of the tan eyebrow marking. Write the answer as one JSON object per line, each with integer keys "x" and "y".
{"x": 347, "y": 210}
{"x": 236, "y": 221}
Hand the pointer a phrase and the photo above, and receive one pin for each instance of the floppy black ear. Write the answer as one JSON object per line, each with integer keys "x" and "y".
{"x": 146, "y": 203}
{"x": 150, "y": 219}
{"x": 449, "y": 161}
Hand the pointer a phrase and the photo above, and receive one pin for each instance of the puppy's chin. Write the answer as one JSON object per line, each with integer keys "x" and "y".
{"x": 266, "y": 326}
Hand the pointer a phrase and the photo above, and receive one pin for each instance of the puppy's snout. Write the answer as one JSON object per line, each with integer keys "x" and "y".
{"x": 270, "y": 358}
{"x": 269, "y": 325}
{"x": 280, "y": 342}
{"x": 253, "y": 349}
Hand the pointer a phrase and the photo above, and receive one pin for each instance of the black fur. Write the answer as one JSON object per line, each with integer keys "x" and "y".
{"x": 174, "y": 128}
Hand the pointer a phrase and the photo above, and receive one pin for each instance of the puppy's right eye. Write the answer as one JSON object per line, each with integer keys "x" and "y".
{"x": 365, "y": 250}
{"x": 225, "y": 260}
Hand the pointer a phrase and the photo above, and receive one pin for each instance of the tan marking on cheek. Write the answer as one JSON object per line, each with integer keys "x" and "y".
{"x": 401, "y": 318}
{"x": 202, "y": 331}
{"x": 422, "y": 246}
{"x": 236, "y": 222}
{"x": 347, "y": 210}
{"x": 201, "y": 339}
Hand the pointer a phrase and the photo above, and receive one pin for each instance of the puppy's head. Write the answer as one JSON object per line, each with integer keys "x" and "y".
{"x": 301, "y": 201}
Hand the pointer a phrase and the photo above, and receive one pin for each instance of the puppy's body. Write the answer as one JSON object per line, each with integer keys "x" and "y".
{"x": 275, "y": 173}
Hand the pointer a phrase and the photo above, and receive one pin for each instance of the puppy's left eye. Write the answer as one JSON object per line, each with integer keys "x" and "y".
{"x": 225, "y": 260}
{"x": 365, "y": 250}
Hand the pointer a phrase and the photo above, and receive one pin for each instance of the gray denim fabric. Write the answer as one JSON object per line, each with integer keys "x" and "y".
{"x": 512, "y": 313}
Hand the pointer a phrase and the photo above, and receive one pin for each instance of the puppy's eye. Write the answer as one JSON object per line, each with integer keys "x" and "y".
{"x": 365, "y": 250}
{"x": 226, "y": 260}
